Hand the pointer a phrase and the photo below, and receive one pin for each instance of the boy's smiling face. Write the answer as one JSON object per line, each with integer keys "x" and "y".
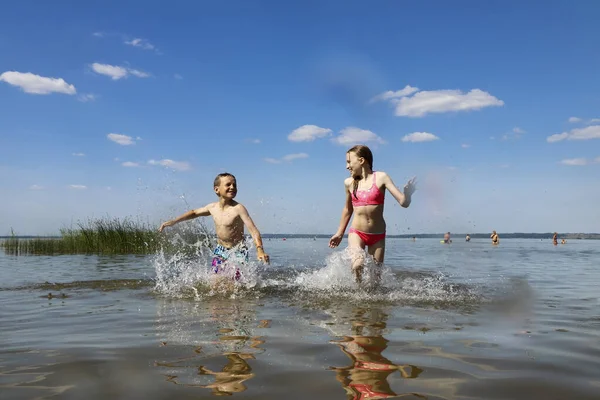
{"x": 227, "y": 188}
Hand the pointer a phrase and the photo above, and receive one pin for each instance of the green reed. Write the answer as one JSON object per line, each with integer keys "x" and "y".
{"x": 96, "y": 236}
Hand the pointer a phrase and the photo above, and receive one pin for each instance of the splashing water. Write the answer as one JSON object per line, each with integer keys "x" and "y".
{"x": 187, "y": 273}
{"x": 187, "y": 269}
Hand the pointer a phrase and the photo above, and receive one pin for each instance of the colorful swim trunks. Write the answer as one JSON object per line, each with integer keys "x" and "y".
{"x": 222, "y": 255}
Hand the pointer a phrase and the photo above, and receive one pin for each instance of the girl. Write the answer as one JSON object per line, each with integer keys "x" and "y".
{"x": 365, "y": 192}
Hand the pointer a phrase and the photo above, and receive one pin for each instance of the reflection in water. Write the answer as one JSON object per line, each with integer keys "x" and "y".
{"x": 366, "y": 377}
{"x": 210, "y": 331}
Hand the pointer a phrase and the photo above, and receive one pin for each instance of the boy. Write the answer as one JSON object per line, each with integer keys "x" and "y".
{"x": 229, "y": 217}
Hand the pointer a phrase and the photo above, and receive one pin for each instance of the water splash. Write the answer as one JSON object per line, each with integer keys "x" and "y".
{"x": 186, "y": 273}
{"x": 184, "y": 269}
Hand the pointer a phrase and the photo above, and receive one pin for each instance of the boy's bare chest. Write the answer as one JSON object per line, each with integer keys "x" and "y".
{"x": 227, "y": 217}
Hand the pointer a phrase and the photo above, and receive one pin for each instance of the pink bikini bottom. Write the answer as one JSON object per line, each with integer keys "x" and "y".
{"x": 368, "y": 238}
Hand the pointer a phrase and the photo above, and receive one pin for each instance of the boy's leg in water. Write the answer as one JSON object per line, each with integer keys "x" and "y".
{"x": 377, "y": 250}
{"x": 357, "y": 252}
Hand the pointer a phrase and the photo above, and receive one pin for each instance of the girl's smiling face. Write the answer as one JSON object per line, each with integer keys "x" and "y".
{"x": 354, "y": 164}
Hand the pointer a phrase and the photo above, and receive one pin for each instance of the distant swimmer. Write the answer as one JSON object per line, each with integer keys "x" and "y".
{"x": 468, "y": 238}
{"x": 563, "y": 241}
{"x": 495, "y": 238}
{"x": 447, "y": 239}
{"x": 555, "y": 239}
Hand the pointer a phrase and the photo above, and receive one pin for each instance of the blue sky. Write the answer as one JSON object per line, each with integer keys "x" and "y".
{"x": 131, "y": 108}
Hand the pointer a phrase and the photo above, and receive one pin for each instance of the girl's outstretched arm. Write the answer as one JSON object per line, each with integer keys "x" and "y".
{"x": 405, "y": 198}
{"x": 346, "y": 215}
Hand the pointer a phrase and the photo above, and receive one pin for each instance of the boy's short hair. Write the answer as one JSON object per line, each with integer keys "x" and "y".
{"x": 221, "y": 175}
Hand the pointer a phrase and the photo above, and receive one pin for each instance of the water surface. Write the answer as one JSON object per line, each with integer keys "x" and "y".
{"x": 460, "y": 321}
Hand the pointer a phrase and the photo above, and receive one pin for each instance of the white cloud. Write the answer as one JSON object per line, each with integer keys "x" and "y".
{"x": 352, "y": 135}
{"x": 465, "y": 145}
{"x": 574, "y": 120}
{"x": 594, "y": 120}
{"x": 574, "y": 161}
{"x": 587, "y": 133}
{"x": 36, "y": 84}
{"x": 308, "y": 133}
{"x": 36, "y": 187}
{"x": 98, "y": 34}
{"x": 176, "y": 165}
{"x": 130, "y": 164}
{"x": 116, "y": 72}
{"x": 78, "y": 187}
{"x": 78, "y": 154}
{"x": 292, "y": 157}
{"x": 253, "y": 141}
{"x": 518, "y": 130}
{"x": 287, "y": 158}
{"x": 439, "y": 101}
{"x": 407, "y": 91}
{"x": 177, "y": 76}
{"x": 417, "y": 137}
{"x": 580, "y": 161}
{"x": 123, "y": 140}
{"x": 138, "y": 73}
{"x": 84, "y": 98}
{"x": 141, "y": 43}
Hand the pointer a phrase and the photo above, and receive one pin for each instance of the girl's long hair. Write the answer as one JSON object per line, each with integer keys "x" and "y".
{"x": 364, "y": 152}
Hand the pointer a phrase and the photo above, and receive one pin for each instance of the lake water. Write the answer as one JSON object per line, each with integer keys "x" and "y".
{"x": 459, "y": 321}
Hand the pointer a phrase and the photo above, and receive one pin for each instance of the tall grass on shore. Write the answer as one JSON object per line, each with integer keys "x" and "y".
{"x": 96, "y": 236}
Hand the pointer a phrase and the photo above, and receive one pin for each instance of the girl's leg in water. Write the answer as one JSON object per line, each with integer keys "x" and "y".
{"x": 377, "y": 250}
{"x": 356, "y": 246}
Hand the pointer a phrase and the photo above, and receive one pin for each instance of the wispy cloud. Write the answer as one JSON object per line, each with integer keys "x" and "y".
{"x": 516, "y": 133}
{"x": 123, "y": 140}
{"x": 87, "y": 97}
{"x": 352, "y": 135}
{"x": 580, "y": 161}
{"x": 407, "y": 91}
{"x": 141, "y": 43}
{"x": 587, "y": 133}
{"x": 36, "y": 187}
{"x": 308, "y": 133}
{"x": 425, "y": 102}
{"x": 130, "y": 164}
{"x": 417, "y": 137}
{"x": 590, "y": 121}
{"x": 98, "y": 34}
{"x": 78, "y": 187}
{"x": 116, "y": 72}
{"x": 286, "y": 158}
{"x": 78, "y": 154}
{"x": 176, "y": 165}
{"x": 465, "y": 145}
{"x": 253, "y": 141}
{"x": 36, "y": 84}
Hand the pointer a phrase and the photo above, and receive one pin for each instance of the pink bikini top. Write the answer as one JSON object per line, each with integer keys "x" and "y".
{"x": 371, "y": 196}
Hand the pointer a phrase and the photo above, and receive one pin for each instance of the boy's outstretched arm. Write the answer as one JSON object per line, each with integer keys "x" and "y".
{"x": 198, "y": 212}
{"x": 405, "y": 198}
{"x": 260, "y": 252}
{"x": 346, "y": 215}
